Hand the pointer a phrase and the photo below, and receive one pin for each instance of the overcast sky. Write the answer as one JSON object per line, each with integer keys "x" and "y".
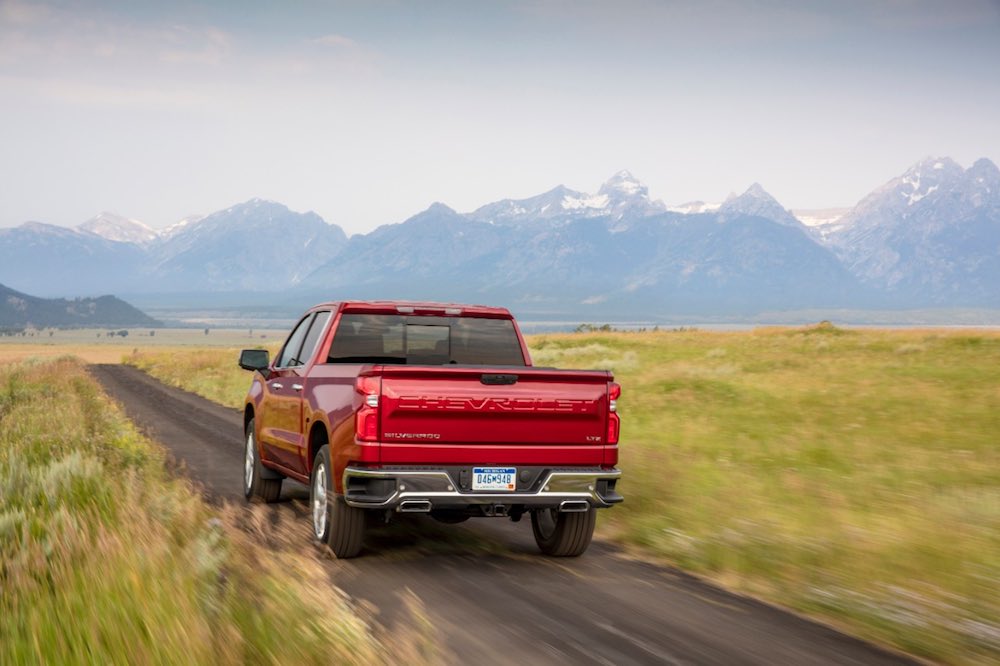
{"x": 367, "y": 112}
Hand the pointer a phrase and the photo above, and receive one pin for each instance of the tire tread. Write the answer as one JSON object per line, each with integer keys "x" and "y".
{"x": 345, "y": 524}
{"x": 571, "y": 537}
{"x": 346, "y": 541}
{"x": 270, "y": 489}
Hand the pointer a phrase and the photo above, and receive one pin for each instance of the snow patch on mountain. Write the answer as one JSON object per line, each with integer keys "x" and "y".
{"x": 822, "y": 222}
{"x": 181, "y": 225}
{"x": 917, "y": 195}
{"x": 819, "y": 217}
{"x": 599, "y": 201}
{"x": 120, "y": 229}
{"x": 694, "y": 207}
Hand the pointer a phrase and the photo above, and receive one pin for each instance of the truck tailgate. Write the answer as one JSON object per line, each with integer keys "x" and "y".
{"x": 456, "y": 415}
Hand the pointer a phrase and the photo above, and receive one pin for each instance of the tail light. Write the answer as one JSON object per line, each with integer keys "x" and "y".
{"x": 366, "y": 419}
{"x": 614, "y": 423}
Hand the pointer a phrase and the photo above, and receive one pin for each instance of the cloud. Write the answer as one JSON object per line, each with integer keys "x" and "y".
{"x": 93, "y": 58}
{"x": 39, "y": 38}
{"x": 21, "y": 13}
{"x": 102, "y": 54}
{"x": 329, "y": 55}
{"x": 335, "y": 40}
{"x": 203, "y": 46}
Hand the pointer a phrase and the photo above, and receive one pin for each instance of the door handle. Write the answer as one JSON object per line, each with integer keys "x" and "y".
{"x": 276, "y": 385}
{"x": 296, "y": 387}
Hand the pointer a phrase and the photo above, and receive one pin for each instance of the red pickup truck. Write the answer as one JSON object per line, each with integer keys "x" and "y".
{"x": 401, "y": 407}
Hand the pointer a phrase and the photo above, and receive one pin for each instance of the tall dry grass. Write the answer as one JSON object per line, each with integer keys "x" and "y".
{"x": 106, "y": 559}
{"x": 854, "y": 475}
{"x": 211, "y": 372}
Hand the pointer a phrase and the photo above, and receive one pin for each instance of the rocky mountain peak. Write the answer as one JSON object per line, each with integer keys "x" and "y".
{"x": 980, "y": 185}
{"x": 558, "y": 202}
{"x": 932, "y": 163}
{"x": 921, "y": 185}
{"x": 914, "y": 235}
{"x": 758, "y": 202}
{"x": 438, "y": 208}
{"x": 114, "y": 227}
{"x": 626, "y": 196}
{"x": 257, "y": 206}
{"x": 624, "y": 184}
{"x": 43, "y": 228}
{"x": 930, "y": 175}
{"x": 435, "y": 215}
{"x": 622, "y": 195}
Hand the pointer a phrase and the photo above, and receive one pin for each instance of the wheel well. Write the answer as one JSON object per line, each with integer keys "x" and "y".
{"x": 247, "y": 415}
{"x": 317, "y": 438}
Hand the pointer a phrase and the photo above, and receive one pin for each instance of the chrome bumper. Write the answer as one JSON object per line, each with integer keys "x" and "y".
{"x": 422, "y": 490}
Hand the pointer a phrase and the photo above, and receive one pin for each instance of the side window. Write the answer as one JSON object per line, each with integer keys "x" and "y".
{"x": 368, "y": 338}
{"x": 290, "y": 352}
{"x": 314, "y": 335}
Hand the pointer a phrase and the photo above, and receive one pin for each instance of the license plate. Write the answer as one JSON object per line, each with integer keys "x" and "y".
{"x": 494, "y": 478}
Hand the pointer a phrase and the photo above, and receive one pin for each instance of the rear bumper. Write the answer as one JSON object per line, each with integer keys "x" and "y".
{"x": 426, "y": 489}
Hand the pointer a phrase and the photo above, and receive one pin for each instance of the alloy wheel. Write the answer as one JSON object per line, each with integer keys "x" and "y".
{"x": 248, "y": 463}
{"x": 320, "y": 508}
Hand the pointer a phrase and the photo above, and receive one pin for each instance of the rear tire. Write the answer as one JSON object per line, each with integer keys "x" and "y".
{"x": 336, "y": 524}
{"x": 254, "y": 483}
{"x": 563, "y": 534}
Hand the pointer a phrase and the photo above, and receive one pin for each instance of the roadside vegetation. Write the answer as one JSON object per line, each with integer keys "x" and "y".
{"x": 850, "y": 474}
{"x": 106, "y": 558}
{"x": 211, "y": 373}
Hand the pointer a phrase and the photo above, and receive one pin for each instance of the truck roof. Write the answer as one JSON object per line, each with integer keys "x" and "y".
{"x": 415, "y": 307}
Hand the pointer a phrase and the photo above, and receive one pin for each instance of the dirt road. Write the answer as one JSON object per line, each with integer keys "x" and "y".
{"x": 492, "y": 598}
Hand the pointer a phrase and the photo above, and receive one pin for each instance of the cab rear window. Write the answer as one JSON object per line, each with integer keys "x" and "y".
{"x": 425, "y": 340}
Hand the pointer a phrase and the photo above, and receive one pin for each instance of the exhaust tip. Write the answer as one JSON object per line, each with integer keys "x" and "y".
{"x": 414, "y": 506}
{"x": 574, "y": 506}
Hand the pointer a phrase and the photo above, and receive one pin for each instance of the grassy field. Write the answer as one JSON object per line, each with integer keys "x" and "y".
{"x": 105, "y": 558}
{"x": 95, "y": 345}
{"x": 850, "y": 474}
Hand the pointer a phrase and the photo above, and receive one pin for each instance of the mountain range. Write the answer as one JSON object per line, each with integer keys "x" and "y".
{"x": 928, "y": 238}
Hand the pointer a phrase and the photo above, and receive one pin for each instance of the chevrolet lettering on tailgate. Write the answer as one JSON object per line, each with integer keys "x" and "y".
{"x": 556, "y": 405}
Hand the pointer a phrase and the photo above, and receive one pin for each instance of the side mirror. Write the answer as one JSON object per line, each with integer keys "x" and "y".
{"x": 255, "y": 359}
